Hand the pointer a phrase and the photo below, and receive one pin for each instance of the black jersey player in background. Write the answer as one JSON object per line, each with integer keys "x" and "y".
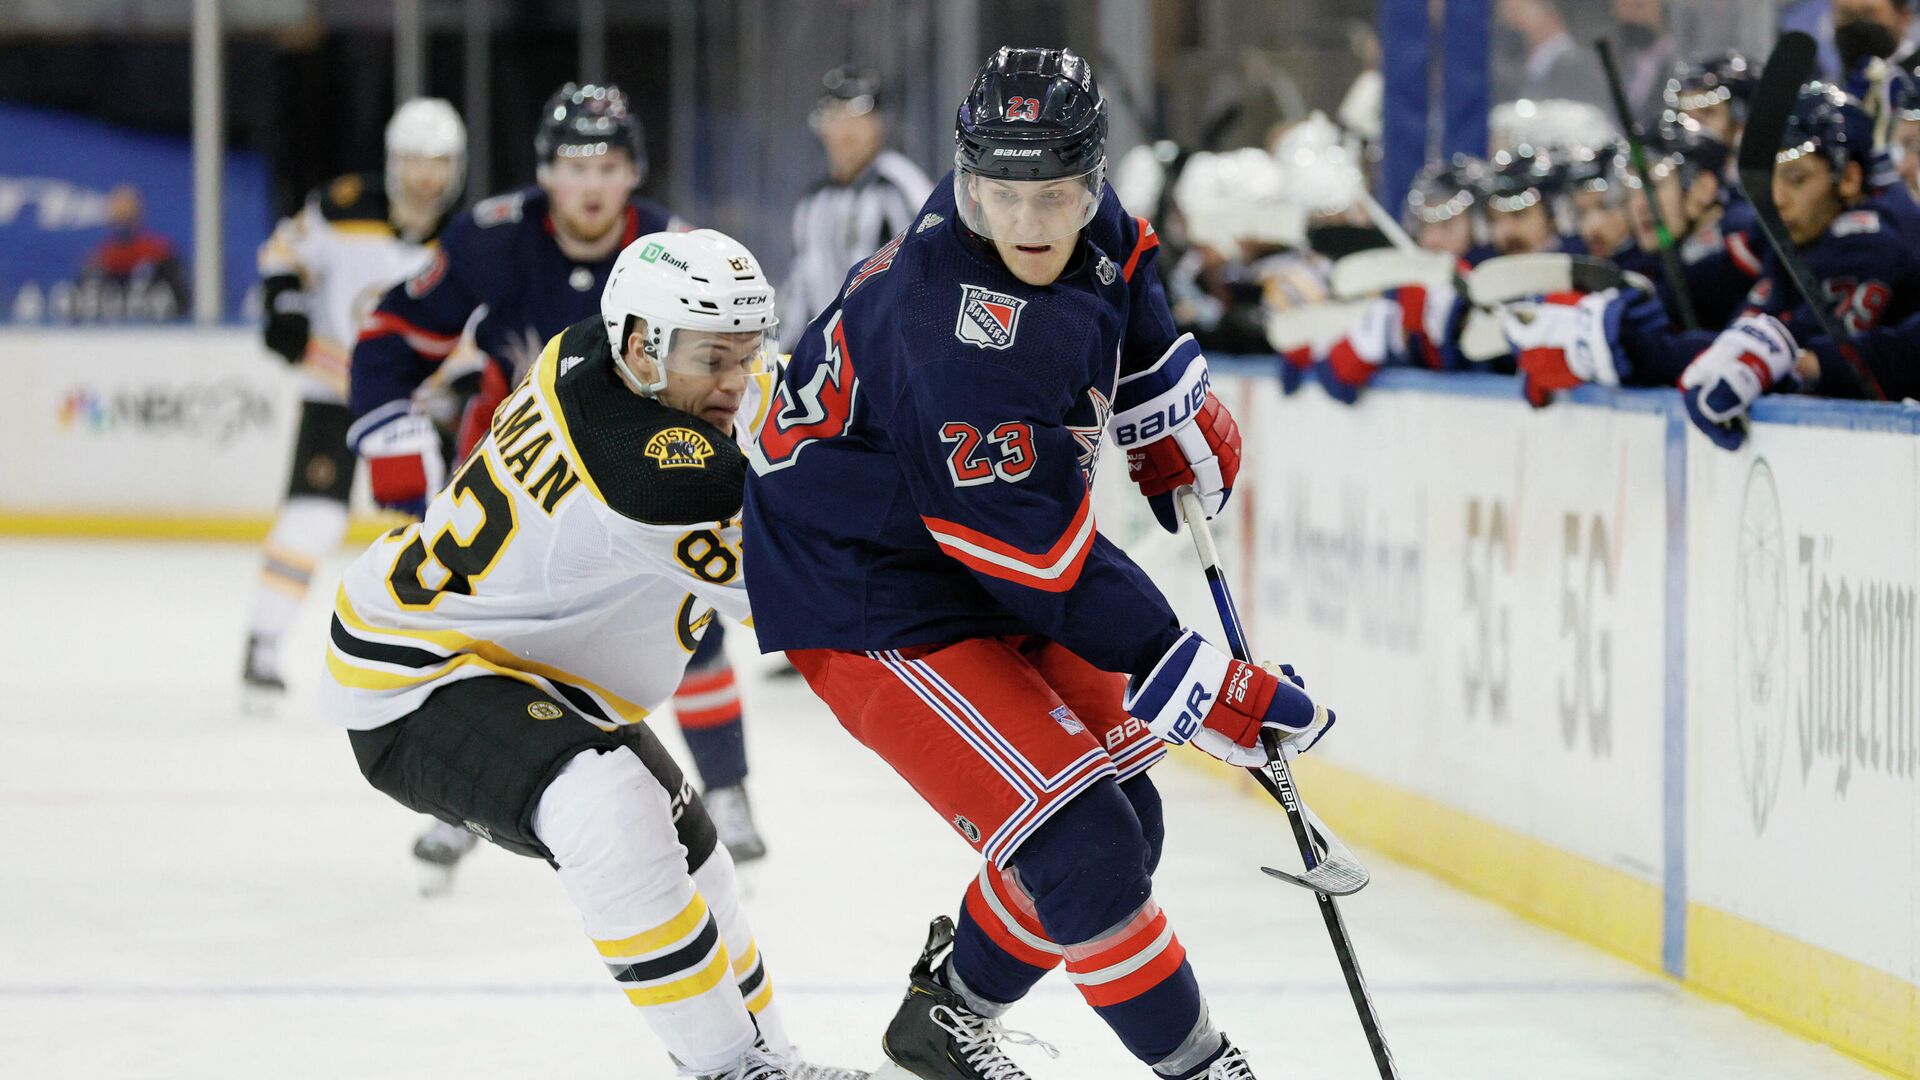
{"x": 532, "y": 262}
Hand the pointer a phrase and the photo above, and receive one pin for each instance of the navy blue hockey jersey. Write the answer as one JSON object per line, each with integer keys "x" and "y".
{"x": 924, "y": 475}
{"x": 500, "y": 254}
{"x": 1863, "y": 266}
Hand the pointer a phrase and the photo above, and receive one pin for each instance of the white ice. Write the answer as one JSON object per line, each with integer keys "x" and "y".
{"x": 189, "y": 891}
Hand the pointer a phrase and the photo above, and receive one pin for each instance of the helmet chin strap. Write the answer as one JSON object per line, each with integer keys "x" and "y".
{"x": 650, "y": 347}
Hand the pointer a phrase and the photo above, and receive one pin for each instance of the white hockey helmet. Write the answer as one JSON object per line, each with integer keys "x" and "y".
{"x": 686, "y": 287}
{"x": 1237, "y": 195}
{"x": 427, "y": 128}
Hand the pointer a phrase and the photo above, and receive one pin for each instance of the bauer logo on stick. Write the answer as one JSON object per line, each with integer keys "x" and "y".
{"x": 680, "y": 448}
{"x": 987, "y": 318}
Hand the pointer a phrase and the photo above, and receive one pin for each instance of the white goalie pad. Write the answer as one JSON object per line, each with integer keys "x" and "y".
{"x": 1307, "y": 327}
{"x": 1369, "y": 273}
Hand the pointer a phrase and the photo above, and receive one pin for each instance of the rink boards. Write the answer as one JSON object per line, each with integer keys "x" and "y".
{"x": 1657, "y": 695}
{"x": 149, "y": 431}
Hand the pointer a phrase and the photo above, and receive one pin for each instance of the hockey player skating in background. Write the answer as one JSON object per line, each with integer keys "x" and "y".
{"x": 536, "y": 259}
{"x": 495, "y": 661}
{"x": 919, "y": 538}
{"x": 322, "y": 271}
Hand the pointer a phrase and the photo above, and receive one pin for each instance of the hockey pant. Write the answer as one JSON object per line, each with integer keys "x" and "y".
{"x": 1022, "y": 747}
{"x": 628, "y": 836}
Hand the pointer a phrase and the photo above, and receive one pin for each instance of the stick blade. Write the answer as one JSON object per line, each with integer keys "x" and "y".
{"x": 1335, "y": 877}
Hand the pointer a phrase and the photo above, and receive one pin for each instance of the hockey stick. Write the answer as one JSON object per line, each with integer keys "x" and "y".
{"x": 1787, "y": 70}
{"x": 1637, "y": 150}
{"x": 1332, "y": 867}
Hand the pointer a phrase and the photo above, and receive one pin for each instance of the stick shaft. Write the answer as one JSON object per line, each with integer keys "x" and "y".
{"x": 1636, "y": 149}
{"x": 1278, "y": 780}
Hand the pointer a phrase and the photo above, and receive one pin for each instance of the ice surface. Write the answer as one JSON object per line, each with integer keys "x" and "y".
{"x": 191, "y": 892}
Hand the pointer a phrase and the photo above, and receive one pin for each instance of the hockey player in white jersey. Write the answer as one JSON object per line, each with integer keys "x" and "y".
{"x": 322, "y": 272}
{"x": 495, "y": 662}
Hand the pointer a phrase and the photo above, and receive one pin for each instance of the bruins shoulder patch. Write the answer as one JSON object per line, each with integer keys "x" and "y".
{"x": 679, "y": 448}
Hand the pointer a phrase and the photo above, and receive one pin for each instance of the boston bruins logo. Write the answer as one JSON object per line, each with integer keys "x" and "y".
{"x": 544, "y": 710}
{"x": 679, "y": 448}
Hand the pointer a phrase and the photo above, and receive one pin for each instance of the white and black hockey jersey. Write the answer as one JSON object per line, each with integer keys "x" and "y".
{"x": 583, "y": 548}
{"x": 836, "y": 226}
{"x": 346, "y": 253}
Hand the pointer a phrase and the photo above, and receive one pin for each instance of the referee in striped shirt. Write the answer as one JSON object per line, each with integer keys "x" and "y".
{"x": 870, "y": 195}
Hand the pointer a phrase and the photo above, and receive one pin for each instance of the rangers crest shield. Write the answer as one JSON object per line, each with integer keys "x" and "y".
{"x": 988, "y": 319}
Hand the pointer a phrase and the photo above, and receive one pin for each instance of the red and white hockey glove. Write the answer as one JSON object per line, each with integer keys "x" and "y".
{"x": 1567, "y": 340}
{"x": 1176, "y": 433}
{"x": 1369, "y": 344}
{"x": 1200, "y": 695}
{"x": 404, "y": 457}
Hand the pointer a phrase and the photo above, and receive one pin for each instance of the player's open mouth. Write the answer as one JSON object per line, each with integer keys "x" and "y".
{"x": 1033, "y": 249}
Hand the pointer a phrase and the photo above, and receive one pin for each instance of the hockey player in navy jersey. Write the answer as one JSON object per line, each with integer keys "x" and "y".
{"x": 536, "y": 259}
{"x": 919, "y": 538}
{"x": 1865, "y": 268}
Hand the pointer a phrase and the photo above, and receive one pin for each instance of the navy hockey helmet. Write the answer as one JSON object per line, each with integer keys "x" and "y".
{"x": 1715, "y": 78}
{"x": 1599, "y": 169}
{"x": 1828, "y": 121}
{"x": 1691, "y": 150}
{"x": 1522, "y": 177}
{"x": 1444, "y": 190}
{"x": 1030, "y": 147}
{"x": 587, "y": 120}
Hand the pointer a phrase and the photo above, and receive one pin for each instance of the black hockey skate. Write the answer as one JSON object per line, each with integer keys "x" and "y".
{"x": 1231, "y": 1065}
{"x": 935, "y": 1036}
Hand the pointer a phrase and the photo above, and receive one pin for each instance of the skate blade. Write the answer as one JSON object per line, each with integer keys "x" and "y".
{"x": 890, "y": 1071}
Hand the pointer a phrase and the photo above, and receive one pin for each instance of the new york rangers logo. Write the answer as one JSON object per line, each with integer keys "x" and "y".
{"x": 988, "y": 319}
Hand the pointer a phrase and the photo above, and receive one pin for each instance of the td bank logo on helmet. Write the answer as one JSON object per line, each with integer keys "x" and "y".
{"x": 657, "y": 252}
